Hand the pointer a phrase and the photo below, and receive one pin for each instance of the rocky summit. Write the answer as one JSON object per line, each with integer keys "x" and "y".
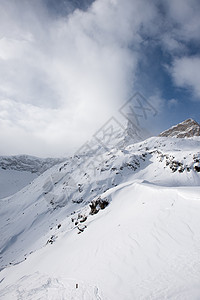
{"x": 186, "y": 129}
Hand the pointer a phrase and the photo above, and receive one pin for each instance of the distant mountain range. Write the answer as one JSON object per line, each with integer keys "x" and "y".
{"x": 19, "y": 170}
{"x": 28, "y": 163}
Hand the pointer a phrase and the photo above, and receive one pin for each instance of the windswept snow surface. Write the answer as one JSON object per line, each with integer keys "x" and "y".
{"x": 144, "y": 245}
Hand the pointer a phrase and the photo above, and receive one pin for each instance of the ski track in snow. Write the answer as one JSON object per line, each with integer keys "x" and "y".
{"x": 39, "y": 286}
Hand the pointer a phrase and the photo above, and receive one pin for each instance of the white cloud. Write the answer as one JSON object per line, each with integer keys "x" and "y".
{"x": 184, "y": 15}
{"x": 181, "y": 40}
{"x": 176, "y": 25}
{"x": 60, "y": 78}
{"x": 186, "y": 73}
{"x": 172, "y": 103}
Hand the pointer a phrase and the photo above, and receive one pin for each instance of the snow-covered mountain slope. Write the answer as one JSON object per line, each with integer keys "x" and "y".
{"x": 123, "y": 224}
{"x": 18, "y": 171}
{"x": 144, "y": 245}
{"x": 12, "y": 181}
{"x": 188, "y": 128}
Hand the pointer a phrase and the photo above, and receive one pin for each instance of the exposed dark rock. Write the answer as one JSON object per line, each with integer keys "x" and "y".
{"x": 97, "y": 205}
{"x": 197, "y": 168}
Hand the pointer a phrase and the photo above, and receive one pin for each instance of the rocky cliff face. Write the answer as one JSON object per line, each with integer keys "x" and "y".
{"x": 186, "y": 129}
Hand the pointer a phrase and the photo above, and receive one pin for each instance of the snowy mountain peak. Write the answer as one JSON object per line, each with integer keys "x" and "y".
{"x": 134, "y": 134}
{"x": 187, "y": 128}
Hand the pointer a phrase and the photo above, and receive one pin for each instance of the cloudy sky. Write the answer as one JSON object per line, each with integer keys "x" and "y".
{"x": 67, "y": 66}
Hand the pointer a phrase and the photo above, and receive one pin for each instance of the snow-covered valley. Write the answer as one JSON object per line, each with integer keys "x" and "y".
{"x": 123, "y": 224}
